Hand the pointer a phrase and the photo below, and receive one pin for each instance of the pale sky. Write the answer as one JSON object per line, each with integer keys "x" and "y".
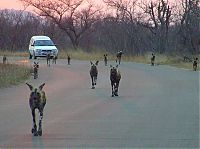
{"x": 10, "y": 4}
{"x": 16, "y": 4}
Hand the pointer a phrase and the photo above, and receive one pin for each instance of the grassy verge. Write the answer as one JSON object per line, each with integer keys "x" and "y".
{"x": 176, "y": 61}
{"x": 79, "y": 54}
{"x": 11, "y": 74}
{"x": 9, "y": 53}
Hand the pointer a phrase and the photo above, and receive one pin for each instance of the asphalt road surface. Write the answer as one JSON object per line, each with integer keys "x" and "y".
{"x": 157, "y": 107}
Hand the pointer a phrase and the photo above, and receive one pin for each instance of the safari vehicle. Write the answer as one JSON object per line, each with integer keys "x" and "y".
{"x": 40, "y": 46}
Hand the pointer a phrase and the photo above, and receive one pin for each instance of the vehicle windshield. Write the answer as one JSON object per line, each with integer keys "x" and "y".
{"x": 43, "y": 43}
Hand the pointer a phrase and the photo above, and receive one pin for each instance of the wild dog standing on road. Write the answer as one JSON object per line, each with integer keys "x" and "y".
{"x": 4, "y": 59}
{"x": 35, "y": 70}
{"x": 105, "y": 59}
{"x": 37, "y": 100}
{"x": 153, "y": 59}
{"x": 48, "y": 59}
{"x": 119, "y": 57}
{"x": 68, "y": 59}
{"x": 54, "y": 59}
{"x": 195, "y": 63}
{"x": 94, "y": 73}
{"x": 115, "y": 78}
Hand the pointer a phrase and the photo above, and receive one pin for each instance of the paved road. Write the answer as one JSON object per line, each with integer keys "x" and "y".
{"x": 158, "y": 107}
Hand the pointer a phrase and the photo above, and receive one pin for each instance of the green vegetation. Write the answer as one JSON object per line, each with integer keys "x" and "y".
{"x": 12, "y": 74}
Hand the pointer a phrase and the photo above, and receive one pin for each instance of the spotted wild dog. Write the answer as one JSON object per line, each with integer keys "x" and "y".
{"x": 195, "y": 64}
{"x": 94, "y": 73}
{"x": 119, "y": 57}
{"x": 35, "y": 70}
{"x": 115, "y": 78}
{"x": 48, "y": 56}
{"x": 54, "y": 59}
{"x": 153, "y": 59}
{"x": 37, "y": 100}
{"x": 4, "y": 59}
{"x": 105, "y": 59}
{"x": 68, "y": 59}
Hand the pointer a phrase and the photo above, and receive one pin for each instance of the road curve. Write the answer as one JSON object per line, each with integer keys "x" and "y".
{"x": 157, "y": 107}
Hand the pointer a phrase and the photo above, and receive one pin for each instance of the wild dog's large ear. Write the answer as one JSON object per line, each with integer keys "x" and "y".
{"x": 96, "y": 62}
{"x": 91, "y": 63}
{"x": 30, "y": 86}
{"x": 41, "y": 86}
{"x": 35, "y": 63}
{"x": 117, "y": 66}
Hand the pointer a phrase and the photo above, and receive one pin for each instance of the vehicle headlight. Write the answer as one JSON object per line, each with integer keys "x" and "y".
{"x": 54, "y": 50}
{"x": 38, "y": 50}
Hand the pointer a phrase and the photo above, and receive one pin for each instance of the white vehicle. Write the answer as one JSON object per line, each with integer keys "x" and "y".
{"x": 40, "y": 46}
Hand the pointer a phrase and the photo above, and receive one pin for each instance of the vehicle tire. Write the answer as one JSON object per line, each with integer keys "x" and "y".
{"x": 30, "y": 56}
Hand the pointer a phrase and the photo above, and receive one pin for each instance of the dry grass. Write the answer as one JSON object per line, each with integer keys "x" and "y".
{"x": 9, "y": 53}
{"x": 12, "y": 74}
{"x": 79, "y": 54}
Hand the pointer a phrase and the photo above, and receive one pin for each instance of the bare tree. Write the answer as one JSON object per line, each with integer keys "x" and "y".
{"x": 158, "y": 20}
{"x": 16, "y": 28}
{"x": 127, "y": 17}
{"x": 190, "y": 25}
{"x": 69, "y": 15}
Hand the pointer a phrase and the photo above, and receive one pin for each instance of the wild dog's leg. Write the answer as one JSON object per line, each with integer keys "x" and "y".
{"x": 112, "y": 86}
{"x": 34, "y": 128}
{"x": 116, "y": 88}
{"x": 92, "y": 82}
{"x": 195, "y": 68}
{"x": 40, "y": 123}
{"x": 95, "y": 80}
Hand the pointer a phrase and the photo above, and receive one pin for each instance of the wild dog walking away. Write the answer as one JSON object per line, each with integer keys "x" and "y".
{"x": 37, "y": 100}
{"x": 35, "y": 70}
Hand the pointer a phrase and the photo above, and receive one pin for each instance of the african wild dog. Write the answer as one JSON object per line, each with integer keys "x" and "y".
{"x": 105, "y": 59}
{"x": 94, "y": 73}
{"x": 48, "y": 56}
{"x": 54, "y": 58}
{"x": 35, "y": 70}
{"x": 115, "y": 78}
{"x": 4, "y": 59}
{"x": 119, "y": 56}
{"x": 68, "y": 59}
{"x": 153, "y": 59}
{"x": 195, "y": 63}
{"x": 37, "y": 100}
